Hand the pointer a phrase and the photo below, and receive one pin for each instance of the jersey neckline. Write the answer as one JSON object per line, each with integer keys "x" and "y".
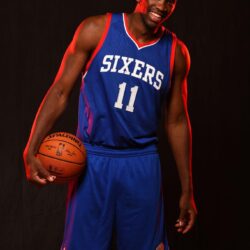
{"x": 138, "y": 44}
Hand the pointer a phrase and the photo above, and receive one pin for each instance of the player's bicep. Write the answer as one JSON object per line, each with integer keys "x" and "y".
{"x": 73, "y": 61}
{"x": 177, "y": 101}
{"x": 71, "y": 66}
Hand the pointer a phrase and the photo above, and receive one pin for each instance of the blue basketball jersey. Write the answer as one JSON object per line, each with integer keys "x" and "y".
{"x": 124, "y": 86}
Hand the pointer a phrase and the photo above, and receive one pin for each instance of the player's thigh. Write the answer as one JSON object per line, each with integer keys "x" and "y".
{"x": 90, "y": 210}
{"x": 139, "y": 220}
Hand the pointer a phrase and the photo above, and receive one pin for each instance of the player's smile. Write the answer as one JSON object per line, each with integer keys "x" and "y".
{"x": 156, "y": 16}
{"x": 155, "y": 12}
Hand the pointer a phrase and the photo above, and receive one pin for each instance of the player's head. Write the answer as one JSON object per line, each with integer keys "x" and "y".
{"x": 155, "y": 12}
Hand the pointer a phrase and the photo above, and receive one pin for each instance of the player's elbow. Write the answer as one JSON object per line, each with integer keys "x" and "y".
{"x": 176, "y": 120}
{"x": 59, "y": 94}
{"x": 180, "y": 125}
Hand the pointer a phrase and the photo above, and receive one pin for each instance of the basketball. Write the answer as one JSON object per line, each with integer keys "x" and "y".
{"x": 63, "y": 155}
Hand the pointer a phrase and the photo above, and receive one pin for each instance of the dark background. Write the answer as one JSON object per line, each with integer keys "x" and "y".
{"x": 34, "y": 36}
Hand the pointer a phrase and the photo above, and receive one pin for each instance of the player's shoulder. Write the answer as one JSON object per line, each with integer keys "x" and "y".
{"x": 181, "y": 51}
{"x": 90, "y": 30}
{"x": 181, "y": 48}
{"x": 182, "y": 56}
{"x": 93, "y": 24}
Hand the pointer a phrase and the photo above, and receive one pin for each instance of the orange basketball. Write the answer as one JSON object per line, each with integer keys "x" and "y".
{"x": 63, "y": 155}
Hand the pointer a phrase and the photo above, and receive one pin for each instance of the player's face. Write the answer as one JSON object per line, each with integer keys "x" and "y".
{"x": 155, "y": 12}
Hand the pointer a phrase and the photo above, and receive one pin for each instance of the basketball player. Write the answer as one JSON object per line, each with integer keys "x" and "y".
{"x": 132, "y": 66}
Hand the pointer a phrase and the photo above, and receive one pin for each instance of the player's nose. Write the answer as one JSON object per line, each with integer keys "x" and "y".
{"x": 162, "y": 5}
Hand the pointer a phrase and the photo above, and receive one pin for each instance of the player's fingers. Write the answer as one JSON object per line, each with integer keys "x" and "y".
{"x": 44, "y": 174}
{"x": 190, "y": 223}
{"x": 180, "y": 224}
{"x": 188, "y": 227}
{"x": 40, "y": 175}
{"x": 182, "y": 216}
{"x": 35, "y": 178}
{"x": 181, "y": 221}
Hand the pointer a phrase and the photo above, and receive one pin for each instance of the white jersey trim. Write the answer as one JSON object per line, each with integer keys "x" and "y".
{"x": 131, "y": 38}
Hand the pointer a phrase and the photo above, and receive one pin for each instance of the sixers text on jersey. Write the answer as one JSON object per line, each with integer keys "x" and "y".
{"x": 133, "y": 67}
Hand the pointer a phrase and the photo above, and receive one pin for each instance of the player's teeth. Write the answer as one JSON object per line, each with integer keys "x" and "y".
{"x": 156, "y": 15}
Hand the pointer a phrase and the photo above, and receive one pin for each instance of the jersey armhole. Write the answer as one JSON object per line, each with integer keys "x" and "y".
{"x": 100, "y": 43}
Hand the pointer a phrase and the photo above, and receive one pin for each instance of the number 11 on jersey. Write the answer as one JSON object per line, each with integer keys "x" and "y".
{"x": 133, "y": 93}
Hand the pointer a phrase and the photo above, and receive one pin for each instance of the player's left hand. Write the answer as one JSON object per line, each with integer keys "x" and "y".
{"x": 188, "y": 213}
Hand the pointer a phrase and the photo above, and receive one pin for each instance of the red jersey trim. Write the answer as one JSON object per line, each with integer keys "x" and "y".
{"x": 138, "y": 44}
{"x": 100, "y": 43}
{"x": 172, "y": 56}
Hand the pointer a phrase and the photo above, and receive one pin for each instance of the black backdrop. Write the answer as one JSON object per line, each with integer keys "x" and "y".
{"x": 34, "y": 35}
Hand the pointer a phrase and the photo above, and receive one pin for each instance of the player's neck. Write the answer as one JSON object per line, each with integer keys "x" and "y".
{"x": 140, "y": 30}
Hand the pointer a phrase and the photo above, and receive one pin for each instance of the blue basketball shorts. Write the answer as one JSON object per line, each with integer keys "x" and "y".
{"x": 120, "y": 194}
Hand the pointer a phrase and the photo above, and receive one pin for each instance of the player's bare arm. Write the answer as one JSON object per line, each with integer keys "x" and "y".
{"x": 179, "y": 134}
{"x": 79, "y": 50}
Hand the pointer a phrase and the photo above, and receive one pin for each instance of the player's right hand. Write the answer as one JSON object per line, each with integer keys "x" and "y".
{"x": 35, "y": 172}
